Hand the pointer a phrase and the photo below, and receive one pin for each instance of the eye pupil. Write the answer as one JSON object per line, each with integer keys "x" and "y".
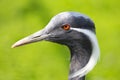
{"x": 66, "y": 27}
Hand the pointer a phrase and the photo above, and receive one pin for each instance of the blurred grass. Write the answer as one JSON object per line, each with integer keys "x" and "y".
{"x": 50, "y": 61}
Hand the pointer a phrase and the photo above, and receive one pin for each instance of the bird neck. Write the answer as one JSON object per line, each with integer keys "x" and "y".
{"x": 80, "y": 55}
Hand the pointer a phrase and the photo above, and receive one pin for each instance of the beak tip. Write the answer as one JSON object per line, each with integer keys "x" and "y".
{"x": 30, "y": 39}
{"x": 21, "y": 42}
{"x": 18, "y": 43}
{"x": 14, "y": 46}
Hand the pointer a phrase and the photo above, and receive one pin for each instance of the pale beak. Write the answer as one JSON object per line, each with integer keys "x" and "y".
{"x": 38, "y": 36}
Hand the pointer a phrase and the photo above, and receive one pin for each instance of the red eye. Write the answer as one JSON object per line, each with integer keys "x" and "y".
{"x": 66, "y": 27}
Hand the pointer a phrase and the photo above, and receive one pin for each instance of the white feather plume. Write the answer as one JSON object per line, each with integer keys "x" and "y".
{"x": 94, "y": 56}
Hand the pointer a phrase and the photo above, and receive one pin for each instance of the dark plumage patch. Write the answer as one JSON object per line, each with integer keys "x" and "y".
{"x": 83, "y": 23}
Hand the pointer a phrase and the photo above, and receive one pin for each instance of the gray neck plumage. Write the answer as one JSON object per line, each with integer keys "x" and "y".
{"x": 80, "y": 55}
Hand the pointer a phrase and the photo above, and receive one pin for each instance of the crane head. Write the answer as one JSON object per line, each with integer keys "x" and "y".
{"x": 60, "y": 29}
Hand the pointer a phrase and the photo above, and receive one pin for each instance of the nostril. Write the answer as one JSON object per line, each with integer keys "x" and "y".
{"x": 35, "y": 37}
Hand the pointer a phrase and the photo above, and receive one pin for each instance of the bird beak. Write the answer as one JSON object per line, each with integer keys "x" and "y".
{"x": 38, "y": 36}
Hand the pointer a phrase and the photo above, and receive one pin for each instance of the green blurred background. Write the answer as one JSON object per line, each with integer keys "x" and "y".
{"x": 50, "y": 61}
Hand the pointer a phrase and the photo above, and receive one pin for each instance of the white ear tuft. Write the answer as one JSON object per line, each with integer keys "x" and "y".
{"x": 94, "y": 56}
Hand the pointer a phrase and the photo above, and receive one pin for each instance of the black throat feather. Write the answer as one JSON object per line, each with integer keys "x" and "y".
{"x": 80, "y": 55}
{"x": 80, "y": 48}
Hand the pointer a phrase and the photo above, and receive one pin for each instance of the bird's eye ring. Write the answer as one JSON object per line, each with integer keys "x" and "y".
{"x": 66, "y": 27}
